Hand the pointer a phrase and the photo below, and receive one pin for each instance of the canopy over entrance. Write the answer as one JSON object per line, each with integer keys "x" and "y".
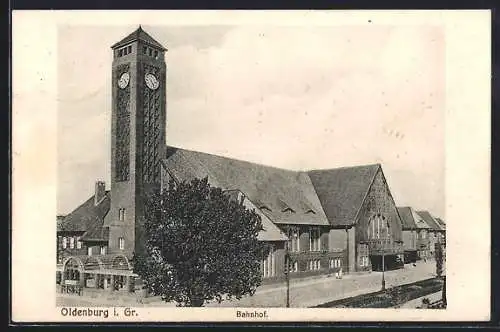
{"x": 99, "y": 263}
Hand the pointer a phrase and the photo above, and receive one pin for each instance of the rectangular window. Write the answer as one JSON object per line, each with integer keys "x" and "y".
{"x": 144, "y": 50}
{"x": 89, "y": 251}
{"x": 314, "y": 239}
{"x": 71, "y": 242}
{"x": 103, "y": 250}
{"x": 120, "y": 52}
{"x": 78, "y": 243}
{"x": 314, "y": 265}
{"x": 156, "y": 54}
{"x": 121, "y": 214}
{"x": 64, "y": 242}
{"x": 150, "y": 51}
{"x": 294, "y": 239}
{"x": 129, "y": 49}
{"x": 121, "y": 243}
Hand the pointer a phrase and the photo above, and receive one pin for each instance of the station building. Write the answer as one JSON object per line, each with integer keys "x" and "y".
{"x": 328, "y": 220}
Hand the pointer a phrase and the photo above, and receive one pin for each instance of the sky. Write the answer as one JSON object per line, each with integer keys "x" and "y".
{"x": 294, "y": 97}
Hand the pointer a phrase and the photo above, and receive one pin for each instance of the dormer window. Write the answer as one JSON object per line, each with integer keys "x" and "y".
{"x": 310, "y": 211}
{"x": 264, "y": 207}
{"x": 284, "y": 207}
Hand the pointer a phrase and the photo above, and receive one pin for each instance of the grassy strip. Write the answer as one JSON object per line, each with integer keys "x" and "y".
{"x": 391, "y": 297}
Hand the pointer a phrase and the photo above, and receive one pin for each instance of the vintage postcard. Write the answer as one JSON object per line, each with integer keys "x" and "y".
{"x": 251, "y": 166}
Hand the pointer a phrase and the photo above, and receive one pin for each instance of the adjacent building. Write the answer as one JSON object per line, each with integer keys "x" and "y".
{"x": 436, "y": 231}
{"x": 410, "y": 231}
{"x": 423, "y": 242}
{"x": 442, "y": 236}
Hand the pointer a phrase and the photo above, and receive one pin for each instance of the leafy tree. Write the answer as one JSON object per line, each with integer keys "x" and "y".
{"x": 439, "y": 259}
{"x": 201, "y": 245}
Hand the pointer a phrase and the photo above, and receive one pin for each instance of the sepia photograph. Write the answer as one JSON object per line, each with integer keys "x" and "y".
{"x": 252, "y": 166}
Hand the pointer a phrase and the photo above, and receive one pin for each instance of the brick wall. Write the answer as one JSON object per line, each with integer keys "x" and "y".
{"x": 378, "y": 200}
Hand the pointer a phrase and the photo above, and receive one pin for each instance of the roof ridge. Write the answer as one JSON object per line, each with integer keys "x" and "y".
{"x": 345, "y": 167}
{"x": 238, "y": 160}
{"x": 139, "y": 34}
{"x": 271, "y": 166}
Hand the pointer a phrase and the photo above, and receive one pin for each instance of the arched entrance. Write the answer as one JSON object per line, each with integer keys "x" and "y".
{"x": 73, "y": 275}
{"x": 107, "y": 272}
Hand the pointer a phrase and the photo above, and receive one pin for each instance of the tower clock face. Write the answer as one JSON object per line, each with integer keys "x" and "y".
{"x": 123, "y": 80}
{"x": 151, "y": 81}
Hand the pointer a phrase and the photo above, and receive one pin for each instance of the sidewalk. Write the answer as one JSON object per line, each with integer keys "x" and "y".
{"x": 314, "y": 292}
{"x": 303, "y": 292}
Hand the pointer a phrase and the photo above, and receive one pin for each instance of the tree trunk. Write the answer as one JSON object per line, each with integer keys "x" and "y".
{"x": 443, "y": 296}
{"x": 196, "y": 302}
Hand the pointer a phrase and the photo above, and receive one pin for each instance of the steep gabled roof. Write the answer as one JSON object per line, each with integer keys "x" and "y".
{"x": 98, "y": 232}
{"x": 270, "y": 231}
{"x": 284, "y": 196}
{"x": 419, "y": 221}
{"x": 87, "y": 218}
{"x": 141, "y": 35}
{"x": 406, "y": 214}
{"x": 441, "y": 223}
{"x": 429, "y": 219}
{"x": 342, "y": 191}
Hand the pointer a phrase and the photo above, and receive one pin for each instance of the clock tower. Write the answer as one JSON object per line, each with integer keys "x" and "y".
{"x": 138, "y": 125}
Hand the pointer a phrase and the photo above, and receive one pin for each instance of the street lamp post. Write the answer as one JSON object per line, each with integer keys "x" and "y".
{"x": 287, "y": 276}
{"x": 383, "y": 268}
{"x": 384, "y": 244}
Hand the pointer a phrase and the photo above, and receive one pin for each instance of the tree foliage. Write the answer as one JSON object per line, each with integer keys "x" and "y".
{"x": 201, "y": 245}
{"x": 439, "y": 259}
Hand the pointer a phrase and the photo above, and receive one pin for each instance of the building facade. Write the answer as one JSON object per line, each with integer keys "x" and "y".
{"x": 363, "y": 215}
{"x": 423, "y": 241}
{"x": 410, "y": 234}
{"x": 436, "y": 232}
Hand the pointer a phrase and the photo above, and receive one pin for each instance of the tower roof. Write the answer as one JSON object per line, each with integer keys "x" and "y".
{"x": 141, "y": 35}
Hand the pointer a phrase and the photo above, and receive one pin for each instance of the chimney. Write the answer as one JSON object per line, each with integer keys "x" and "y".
{"x": 100, "y": 191}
